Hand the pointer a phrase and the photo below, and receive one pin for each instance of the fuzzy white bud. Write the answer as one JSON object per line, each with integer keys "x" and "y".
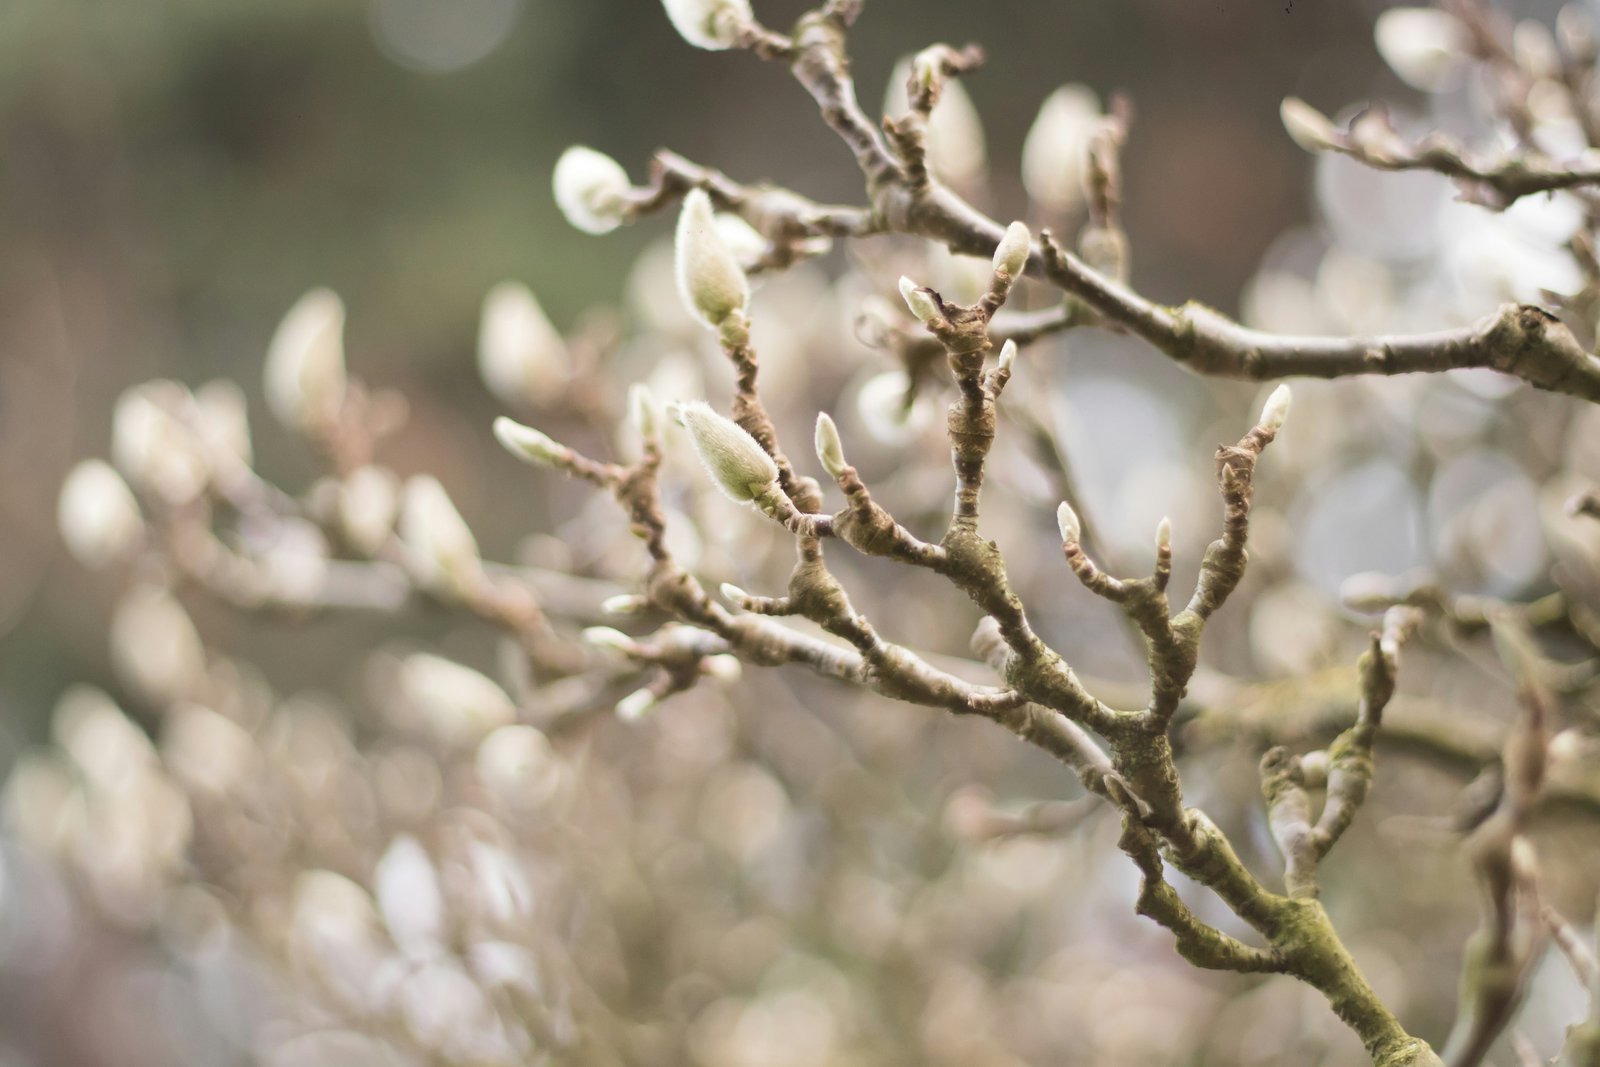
{"x": 1008, "y": 355}
{"x": 624, "y": 604}
{"x": 710, "y": 280}
{"x": 455, "y": 703}
{"x": 97, "y": 514}
{"x": 736, "y": 461}
{"x": 1424, "y": 46}
{"x": 527, "y": 444}
{"x": 633, "y": 707}
{"x": 609, "y": 637}
{"x": 521, "y": 356}
{"x": 441, "y": 544}
{"x": 1276, "y": 409}
{"x": 1164, "y": 533}
{"x": 1011, "y": 255}
{"x": 733, "y": 594}
{"x": 591, "y": 189}
{"x": 1307, "y": 127}
{"x": 920, "y": 301}
{"x": 830, "y": 450}
{"x": 304, "y": 373}
{"x": 1067, "y": 522}
{"x": 1055, "y": 154}
{"x": 709, "y": 24}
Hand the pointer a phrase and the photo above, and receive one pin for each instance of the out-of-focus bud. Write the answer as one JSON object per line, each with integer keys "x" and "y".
{"x": 1067, "y": 522}
{"x": 591, "y": 189}
{"x": 920, "y": 300}
{"x": 224, "y": 419}
{"x": 443, "y": 550}
{"x": 737, "y": 463}
{"x": 526, "y": 443}
{"x": 633, "y": 707}
{"x": 41, "y": 801}
{"x": 521, "y": 356}
{"x": 154, "y": 447}
{"x": 456, "y": 704}
{"x": 305, "y": 375}
{"x": 609, "y": 637}
{"x": 1055, "y": 153}
{"x": 205, "y": 750}
{"x": 733, "y": 594}
{"x": 1307, "y": 127}
{"x": 1276, "y": 409}
{"x": 742, "y": 240}
{"x": 710, "y": 279}
{"x": 369, "y": 500}
{"x": 881, "y": 403}
{"x": 98, "y": 517}
{"x": 1370, "y": 592}
{"x": 406, "y": 885}
{"x": 956, "y": 148}
{"x": 1011, "y": 255}
{"x": 830, "y": 450}
{"x": 294, "y": 561}
{"x": 1535, "y": 49}
{"x": 1423, "y": 45}
{"x": 105, "y": 745}
{"x": 642, "y": 409}
{"x": 1008, "y": 355}
{"x": 723, "y": 667}
{"x": 332, "y": 914}
{"x": 155, "y": 648}
{"x": 709, "y": 24}
{"x": 518, "y": 767}
{"x": 625, "y": 604}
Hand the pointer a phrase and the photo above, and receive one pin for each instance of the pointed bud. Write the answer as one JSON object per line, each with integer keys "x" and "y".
{"x": 1422, "y": 45}
{"x": 591, "y": 189}
{"x": 1008, "y": 355}
{"x": 609, "y": 637}
{"x": 829, "y": 448}
{"x": 1307, "y": 127}
{"x": 1011, "y": 255}
{"x": 455, "y": 703}
{"x": 1276, "y": 409}
{"x": 920, "y": 301}
{"x": 1164, "y": 534}
{"x": 733, "y": 594}
{"x": 305, "y": 375}
{"x": 633, "y": 707}
{"x": 1055, "y": 154}
{"x": 710, "y": 279}
{"x": 528, "y": 444}
{"x": 624, "y": 604}
{"x": 440, "y": 542}
{"x": 97, "y": 514}
{"x": 737, "y": 462}
{"x": 521, "y": 356}
{"x": 642, "y": 409}
{"x": 1067, "y": 523}
{"x": 709, "y": 24}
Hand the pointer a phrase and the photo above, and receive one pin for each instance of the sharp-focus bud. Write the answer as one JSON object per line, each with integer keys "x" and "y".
{"x": 642, "y": 409}
{"x": 441, "y": 543}
{"x": 1423, "y": 45}
{"x": 591, "y": 189}
{"x": 305, "y": 376}
{"x": 710, "y": 279}
{"x": 709, "y": 24}
{"x": 1164, "y": 534}
{"x": 1011, "y": 255}
{"x": 98, "y": 516}
{"x": 1008, "y": 355}
{"x": 920, "y": 300}
{"x": 737, "y": 462}
{"x": 521, "y": 356}
{"x": 527, "y": 444}
{"x": 633, "y": 707}
{"x": 1307, "y": 127}
{"x": 1276, "y": 409}
{"x": 609, "y": 637}
{"x": 1067, "y": 522}
{"x": 1055, "y": 154}
{"x": 624, "y": 604}
{"x": 733, "y": 594}
{"x": 456, "y": 704}
{"x": 830, "y": 450}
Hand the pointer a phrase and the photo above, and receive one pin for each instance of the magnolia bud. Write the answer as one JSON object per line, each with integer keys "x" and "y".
{"x": 733, "y": 594}
{"x": 1067, "y": 523}
{"x": 1164, "y": 533}
{"x": 709, "y": 24}
{"x": 518, "y": 766}
{"x": 369, "y": 500}
{"x": 223, "y": 419}
{"x": 527, "y": 444}
{"x": 1307, "y": 127}
{"x": 1008, "y": 355}
{"x": 1011, "y": 255}
{"x": 920, "y": 301}
{"x": 305, "y": 376}
{"x": 723, "y": 667}
{"x": 632, "y": 707}
{"x": 441, "y": 544}
{"x": 737, "y": 462}
{"x": 1055, "y": 153}
{"x": 609, "y": 637}
{"x": 1422, "y": 45}
{"x": 591, "y": 189}
{"x": 1276, "y": 409}
{"x": 521, "y": 356}
{"x": 153, "y": 444}
{"x": 99, "y": 519}
{"x": 710, "y": 279}
{"x": 155, "y": 648}
{"x": 829, "y": 448}
{"x": 406, "y": 884}
{"x": 456, "y": 704}
{"x": 625, "y": 604}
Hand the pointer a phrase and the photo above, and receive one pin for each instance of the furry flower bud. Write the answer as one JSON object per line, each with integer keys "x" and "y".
{"x": 1276, "y": 409}
{"x": 709, "y": 24}
{"x": 710, "y": 279}
{"x": 830, "y": 450}
{"x": 1008, "y": 355}
{"x": 737, "y": 462}
{"x": 920, "y": 301}
{"x": 1067, "y": 522}
{"x": 305, "y": 375}
{"x": 527, "y": 444}
{"x": 591, "y": 189}
{"x": 1011, "y": 255}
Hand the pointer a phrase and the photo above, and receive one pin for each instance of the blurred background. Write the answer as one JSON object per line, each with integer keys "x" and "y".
{"x": 174, "y": 174}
